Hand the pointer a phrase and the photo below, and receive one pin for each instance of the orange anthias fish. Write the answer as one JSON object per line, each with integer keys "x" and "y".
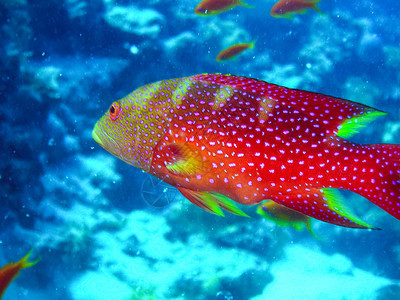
{"x": 233, "y": 51}
{"x": 223, "y": 139}
{"x": 285, "y": 217}
{"x": 287, "y": 8}
{"x": 11, "y": 271}
{"x": 215, "y": 7}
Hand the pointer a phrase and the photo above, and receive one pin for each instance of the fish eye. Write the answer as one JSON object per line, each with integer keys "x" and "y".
{"x": 115, "y": 110}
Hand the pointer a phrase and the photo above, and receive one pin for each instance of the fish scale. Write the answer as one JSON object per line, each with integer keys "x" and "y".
{"x": 223, "y": 139}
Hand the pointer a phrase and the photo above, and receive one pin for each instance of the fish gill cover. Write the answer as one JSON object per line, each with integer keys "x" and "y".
{"x": 105, "y": 230}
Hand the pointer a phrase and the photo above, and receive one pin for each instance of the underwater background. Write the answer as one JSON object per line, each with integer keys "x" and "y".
{"x": 106, "y": 230}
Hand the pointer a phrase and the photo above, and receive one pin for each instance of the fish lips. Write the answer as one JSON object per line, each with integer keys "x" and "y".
{"x": 107, "y": 142}
{"x": 97, "y": 138}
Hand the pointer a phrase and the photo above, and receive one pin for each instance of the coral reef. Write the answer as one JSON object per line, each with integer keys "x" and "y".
{"x": 314, "y": 275}
{"x": 200, "y": 268}
{"x": 125, "y": 18}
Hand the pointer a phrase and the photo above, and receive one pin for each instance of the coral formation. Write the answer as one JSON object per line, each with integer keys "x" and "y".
{"x": 125, "y": 18}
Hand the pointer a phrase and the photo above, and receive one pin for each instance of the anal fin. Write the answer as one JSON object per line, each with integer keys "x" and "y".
{"x": 212, "y": 202}
{"x": 324, "y": 204}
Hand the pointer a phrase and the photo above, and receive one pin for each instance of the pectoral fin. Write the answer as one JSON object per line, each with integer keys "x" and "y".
{"x": 180, "y": 159}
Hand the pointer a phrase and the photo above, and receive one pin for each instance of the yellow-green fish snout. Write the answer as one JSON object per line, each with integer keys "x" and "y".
{"x": 96, "y": 137}
{"x": 105, "y": 138}
{"x": 130, "y": 129}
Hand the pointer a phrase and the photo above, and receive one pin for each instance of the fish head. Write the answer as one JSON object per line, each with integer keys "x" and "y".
{"x": 270, "y": 207}
{"x": 277, "y": 12}
{"x": 200, "y": 10}
{"x": 203, "y": 11}
{"x": 132, "y": 126}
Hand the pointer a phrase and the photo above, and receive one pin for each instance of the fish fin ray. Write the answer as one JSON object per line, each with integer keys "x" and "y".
{"x": 342, "y": 117}
{"x": 323, "y": 204}
{"x": 279, "y": 222}
{"x": 310, "y": 230}
{"x": 288, "y": 15}
{"x": 202, "y": 200}
{"x": 316, "y": 8}
{"x": 212, "y": 202}
{"x": 298, "y": 226}
{"x": 228, "y": 204}
{"x": 244, "y": 4}
{"x": 181, "y": 160}
{"x": 352, "y": 125}
{"x": 286, "y": 216}
{"x": 336, "y": 201}
{"x": 25, "y": 263}
{"x": 252, "y": 44}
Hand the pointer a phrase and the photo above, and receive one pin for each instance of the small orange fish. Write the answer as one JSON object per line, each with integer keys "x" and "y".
{"x": 11, "y": 271}
{"x": 233, "y": 51}
{"x": 287, "y": 8}
{"x": 214, "y": 7}
{"x": 284, "y": 216}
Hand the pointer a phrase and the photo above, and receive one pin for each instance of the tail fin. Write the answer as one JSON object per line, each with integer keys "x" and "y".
{"x": 252, "y": 44}
{"x": 383, "y": 184}
{"x": 25, "y": 263}
{"x": 315, "y": 7}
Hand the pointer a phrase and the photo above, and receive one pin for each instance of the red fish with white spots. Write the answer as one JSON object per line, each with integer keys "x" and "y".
{"x": 223, "y": 139}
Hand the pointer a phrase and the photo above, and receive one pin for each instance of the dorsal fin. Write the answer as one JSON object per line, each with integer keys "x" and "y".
{"x": 338, "y": 116}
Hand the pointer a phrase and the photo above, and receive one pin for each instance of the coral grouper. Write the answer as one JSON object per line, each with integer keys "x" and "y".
{"x": 222, "y": 139}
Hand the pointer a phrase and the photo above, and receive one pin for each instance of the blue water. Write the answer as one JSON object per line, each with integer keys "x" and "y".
{"x": 89, "y": 217}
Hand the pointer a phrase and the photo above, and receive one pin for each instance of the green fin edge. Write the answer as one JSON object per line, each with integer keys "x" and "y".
{"x": 310, "y": 229}
{"x": 228, "y": 204}
{"x": 25, "y": 263}
{"x": 286, "y": 223}
{"x": 267, "y": 216}
{"x": 334, "y": 199}
{"x": 288, "y": 16}
{"x": 210, "y": 203}
{"x": 352, "y": 126}
{"x": 215, "y": 202}
{"x": 244, "y": 4}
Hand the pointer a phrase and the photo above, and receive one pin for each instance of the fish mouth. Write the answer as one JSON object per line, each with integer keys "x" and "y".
{"x": 97, "y": 138}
